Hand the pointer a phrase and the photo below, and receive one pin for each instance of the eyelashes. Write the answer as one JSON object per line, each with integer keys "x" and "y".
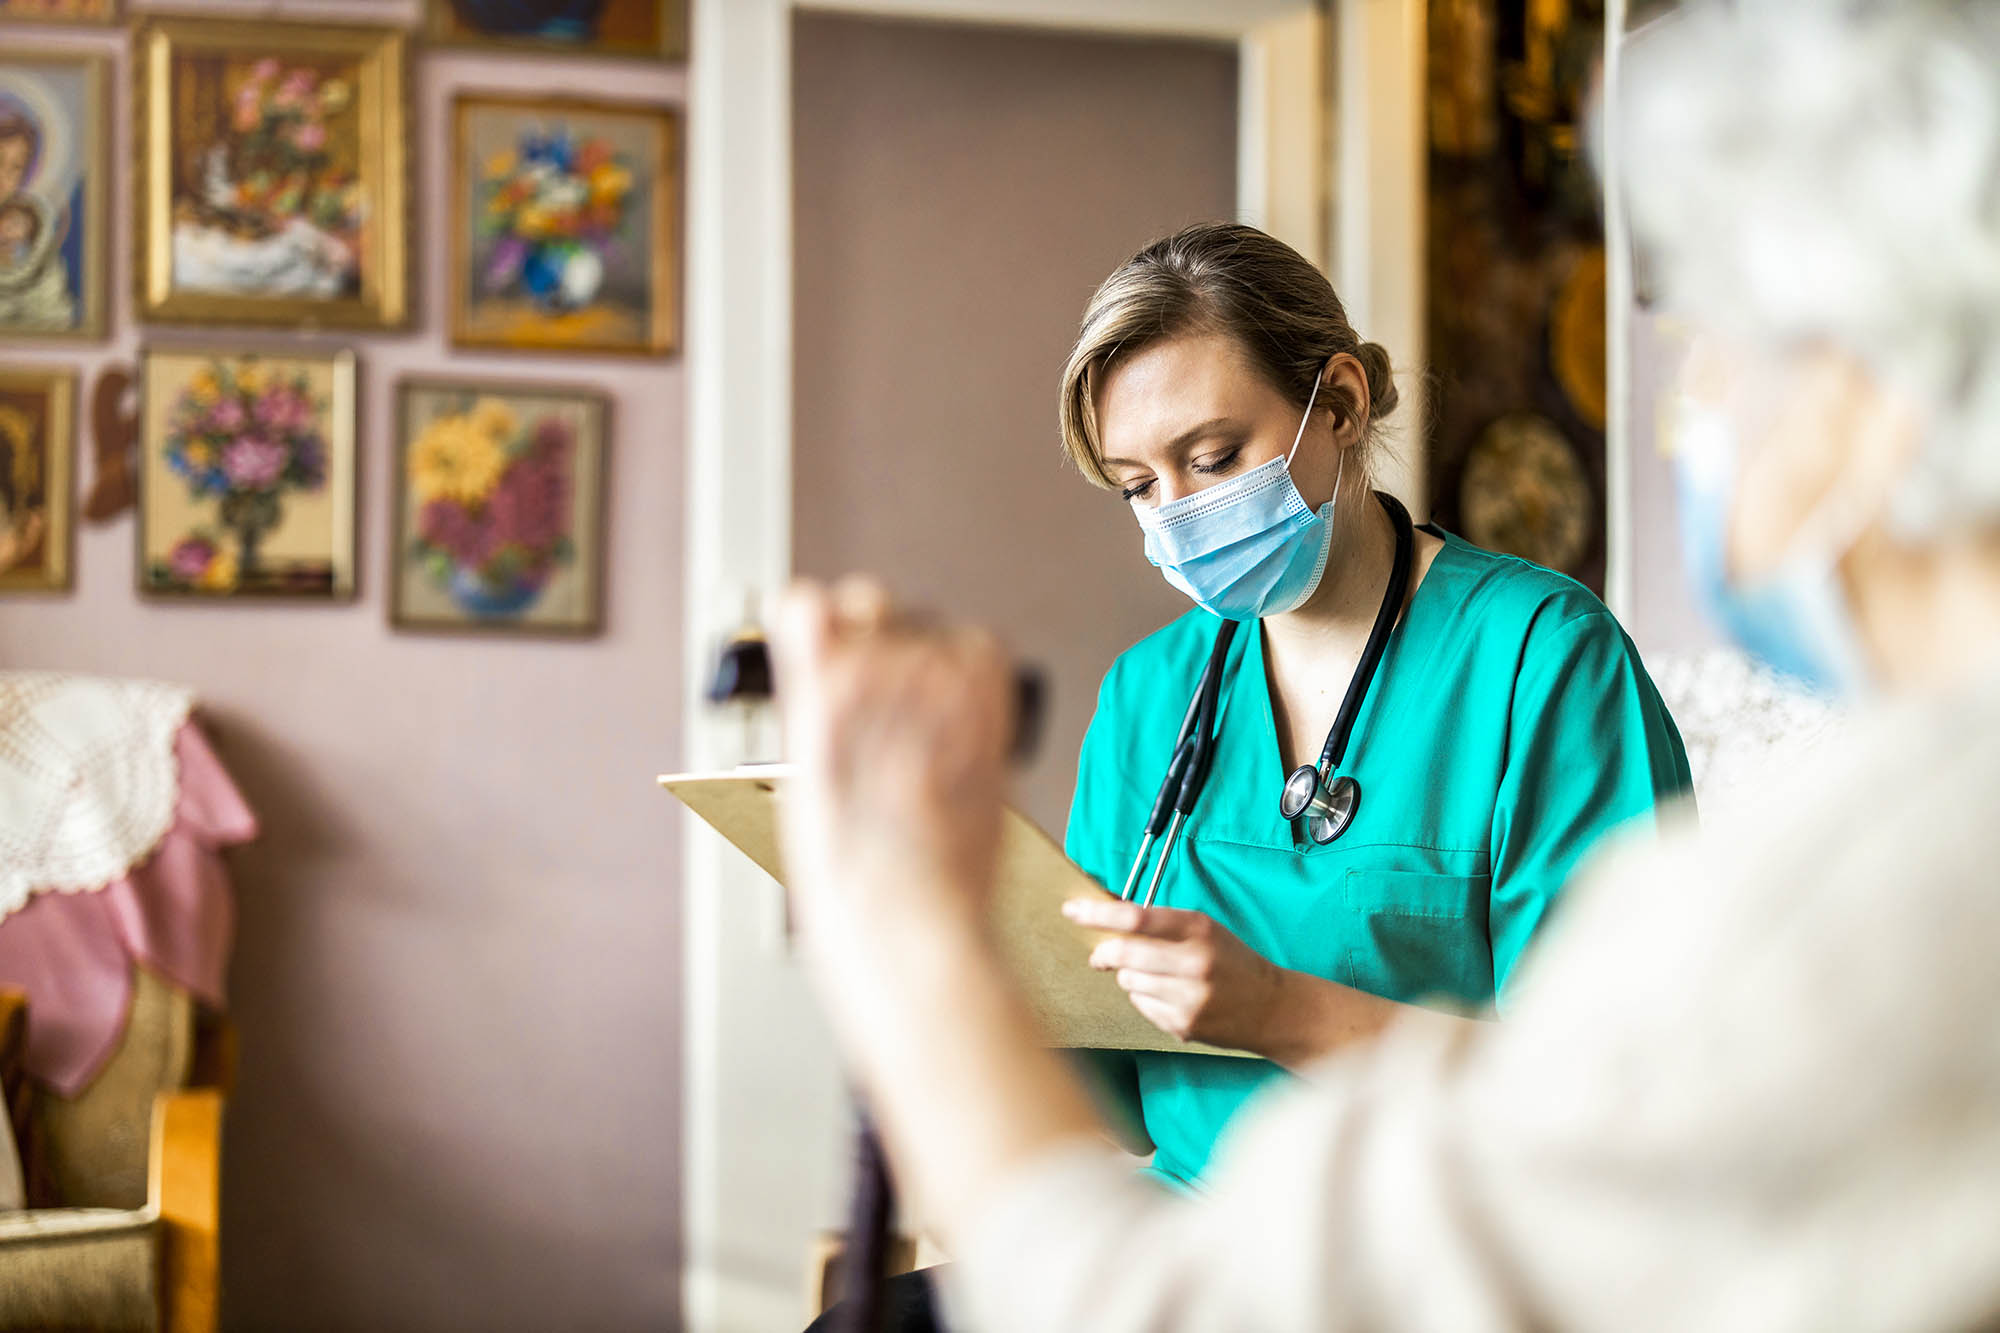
{"x": 1221, "y": 463}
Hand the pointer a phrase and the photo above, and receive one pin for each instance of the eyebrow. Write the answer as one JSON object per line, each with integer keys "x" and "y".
{"x": 1212, "y": 426}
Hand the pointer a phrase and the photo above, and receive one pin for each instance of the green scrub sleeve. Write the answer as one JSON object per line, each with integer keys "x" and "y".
{"x": 1590, "y": 747}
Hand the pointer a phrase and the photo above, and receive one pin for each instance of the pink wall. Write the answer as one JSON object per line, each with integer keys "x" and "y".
{"x": 960, "y": 192}
{"x": 455, "y": 978}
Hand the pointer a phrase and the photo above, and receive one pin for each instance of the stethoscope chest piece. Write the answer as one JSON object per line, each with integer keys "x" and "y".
{"x": 1328, "y": 807}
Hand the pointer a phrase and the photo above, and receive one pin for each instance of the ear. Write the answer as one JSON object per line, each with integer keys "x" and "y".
{"x": 1343, "y": 388}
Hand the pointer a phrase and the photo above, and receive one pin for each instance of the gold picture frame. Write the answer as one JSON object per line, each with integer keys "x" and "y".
{"x": 272, "y": 175}
{"x": 619, "y": 172}
{"x": 53, "y": 97}
{"x": 273, "y": 520}
{"x": 503, "y": 555}
{"x": 637, "y": 29}
{"x": 88, "y": 14}
{"x": 37, "y": 478}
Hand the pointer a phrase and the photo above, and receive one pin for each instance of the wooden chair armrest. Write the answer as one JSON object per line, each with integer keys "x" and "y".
{"x": 185, "y": 1192}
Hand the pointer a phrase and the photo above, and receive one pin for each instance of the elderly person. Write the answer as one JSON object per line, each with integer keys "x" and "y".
{"x": 1751, "y": 1080}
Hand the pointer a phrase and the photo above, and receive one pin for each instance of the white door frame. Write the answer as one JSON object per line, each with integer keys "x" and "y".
{"x": 762, "y": 1115}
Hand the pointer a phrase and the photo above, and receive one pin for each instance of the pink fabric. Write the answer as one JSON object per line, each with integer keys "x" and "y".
{"x": 73, "y": 952}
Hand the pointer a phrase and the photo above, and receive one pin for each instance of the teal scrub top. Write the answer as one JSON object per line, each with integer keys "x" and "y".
{"x": 1509, "y": 727}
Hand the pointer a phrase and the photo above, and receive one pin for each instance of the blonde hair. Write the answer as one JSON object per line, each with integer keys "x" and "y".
{"x": 1218, "y": 277}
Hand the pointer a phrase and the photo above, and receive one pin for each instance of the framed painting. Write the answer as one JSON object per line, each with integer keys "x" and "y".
{"x": 272, "y": 178}
{"x": 651, "y": 29}
{"x": 59, "y": 11}
{"x": 53, "y": 170}
{"x": 246, "y": 483}
{"x": 1516, "y": 309}
{"x": 499, "y": 508}
{"x": 565, "y": 225}
{"x": 37, "y": 464}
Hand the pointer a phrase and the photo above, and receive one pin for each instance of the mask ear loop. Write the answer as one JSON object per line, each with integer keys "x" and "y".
{"x": 1311, "y": 398}
{"x": 1339, "y": 467}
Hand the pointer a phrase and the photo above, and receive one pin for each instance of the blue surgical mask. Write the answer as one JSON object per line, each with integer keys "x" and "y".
{"x": 1797, "y": 620}
{"x": 1248, "y": 547}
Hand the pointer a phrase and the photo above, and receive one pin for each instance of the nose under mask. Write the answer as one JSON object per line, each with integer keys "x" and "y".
{"x": 1248, "y": 547}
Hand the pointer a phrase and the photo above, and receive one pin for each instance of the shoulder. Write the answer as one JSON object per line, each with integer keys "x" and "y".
{"x": 1519, "y": 602}
{"x": 1170, "y": 656}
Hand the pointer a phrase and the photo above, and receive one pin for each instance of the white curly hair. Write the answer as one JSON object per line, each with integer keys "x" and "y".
{"x": 1829, "y": 170}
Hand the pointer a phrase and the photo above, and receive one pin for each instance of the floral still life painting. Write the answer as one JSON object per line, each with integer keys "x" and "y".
{"x": 37, "y": 453}
{"x": 499, "y": 509}
{"x": 249, "y": 475}
{"x": 564, "y": 237}
{"x": 52, "y": 181}
{"x": 652, "y": 28}
{"x": 271, "y": 189}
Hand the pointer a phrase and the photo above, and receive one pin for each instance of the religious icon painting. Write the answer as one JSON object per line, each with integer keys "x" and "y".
{"x": 247, "y": 475}
{"x": 499, "y": 508}
{"x": 53, "y": 170}
{"x": 37, "y": 461}
{"x": 655, "y": 29}
{"x": 565, "y": 226}
{"x": 272, "y": 173}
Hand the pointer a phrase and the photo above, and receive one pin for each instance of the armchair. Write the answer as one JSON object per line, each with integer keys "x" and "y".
{"x": 131, "y": 1242}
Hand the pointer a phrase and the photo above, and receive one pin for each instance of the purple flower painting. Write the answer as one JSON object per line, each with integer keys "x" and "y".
{"x": 250, "y": 474}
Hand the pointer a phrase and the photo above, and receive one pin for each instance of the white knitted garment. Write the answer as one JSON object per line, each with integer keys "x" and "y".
{"x": 88, "y": 779}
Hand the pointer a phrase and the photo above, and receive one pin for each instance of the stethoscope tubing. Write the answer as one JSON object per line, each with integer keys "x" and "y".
{"x": 1187, "y": 772}
{"x": 1194, "y": 745}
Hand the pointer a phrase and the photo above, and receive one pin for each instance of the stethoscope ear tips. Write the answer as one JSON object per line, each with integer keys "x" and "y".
{"x": 1328, "y": 807}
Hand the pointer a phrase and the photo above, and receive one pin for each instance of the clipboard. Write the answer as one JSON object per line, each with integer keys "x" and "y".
{"x": 1075, "y": 1005}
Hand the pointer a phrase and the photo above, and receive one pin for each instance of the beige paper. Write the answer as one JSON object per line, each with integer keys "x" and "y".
{"x": 1076, "y": 1006}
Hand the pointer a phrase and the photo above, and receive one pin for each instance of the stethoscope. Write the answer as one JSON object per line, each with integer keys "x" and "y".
{"x": 1326, "y": 801}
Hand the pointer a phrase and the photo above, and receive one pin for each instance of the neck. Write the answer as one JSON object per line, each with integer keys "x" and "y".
{"x": 1358, "y": 564}
{"x": 1930, "y": 615}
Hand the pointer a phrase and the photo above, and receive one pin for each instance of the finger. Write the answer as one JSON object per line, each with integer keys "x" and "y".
{"x": 1166, "y": 923}
{"x": 1176, "y": 991}
{"x": 987, "y": 677}
{"x": 861, "y": 604}
{"x": 800, "y": 641}
{"x": 1162, "y": 1016}
{"x": 1143, "y": 955}
{"x": 804, "y": 624}
{"x": 881, "y": 704}
{"x": 1103, "y": 913}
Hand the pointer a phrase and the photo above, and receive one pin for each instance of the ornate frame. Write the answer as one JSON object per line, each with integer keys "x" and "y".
{"x": 343, "y": 462}
{"x": 59, "y": 386}
{"x": 663, "y": 333}
{"x": 673, "y": 44}
{"x": 382, "y": 95}
{"x": 598, "y": 550}
{"x": 96, "y": 161}
{"x": 113, "y": 13}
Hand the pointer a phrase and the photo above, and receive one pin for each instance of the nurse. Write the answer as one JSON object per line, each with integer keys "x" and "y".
{"x": 1218, "y": 388}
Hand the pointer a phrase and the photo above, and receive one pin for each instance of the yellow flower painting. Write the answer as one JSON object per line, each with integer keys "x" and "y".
{"x": 499, "y": 511}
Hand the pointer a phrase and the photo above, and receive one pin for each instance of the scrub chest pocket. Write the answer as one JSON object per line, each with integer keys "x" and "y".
{"x": 1425, "y": 936}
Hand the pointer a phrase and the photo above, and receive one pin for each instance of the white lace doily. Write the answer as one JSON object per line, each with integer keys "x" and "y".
{"x": 88, "y": 780}
{"x": 1740, "y": 722}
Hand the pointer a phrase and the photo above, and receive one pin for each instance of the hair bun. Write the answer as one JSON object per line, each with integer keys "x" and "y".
{"x": 1382, "y": 392}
